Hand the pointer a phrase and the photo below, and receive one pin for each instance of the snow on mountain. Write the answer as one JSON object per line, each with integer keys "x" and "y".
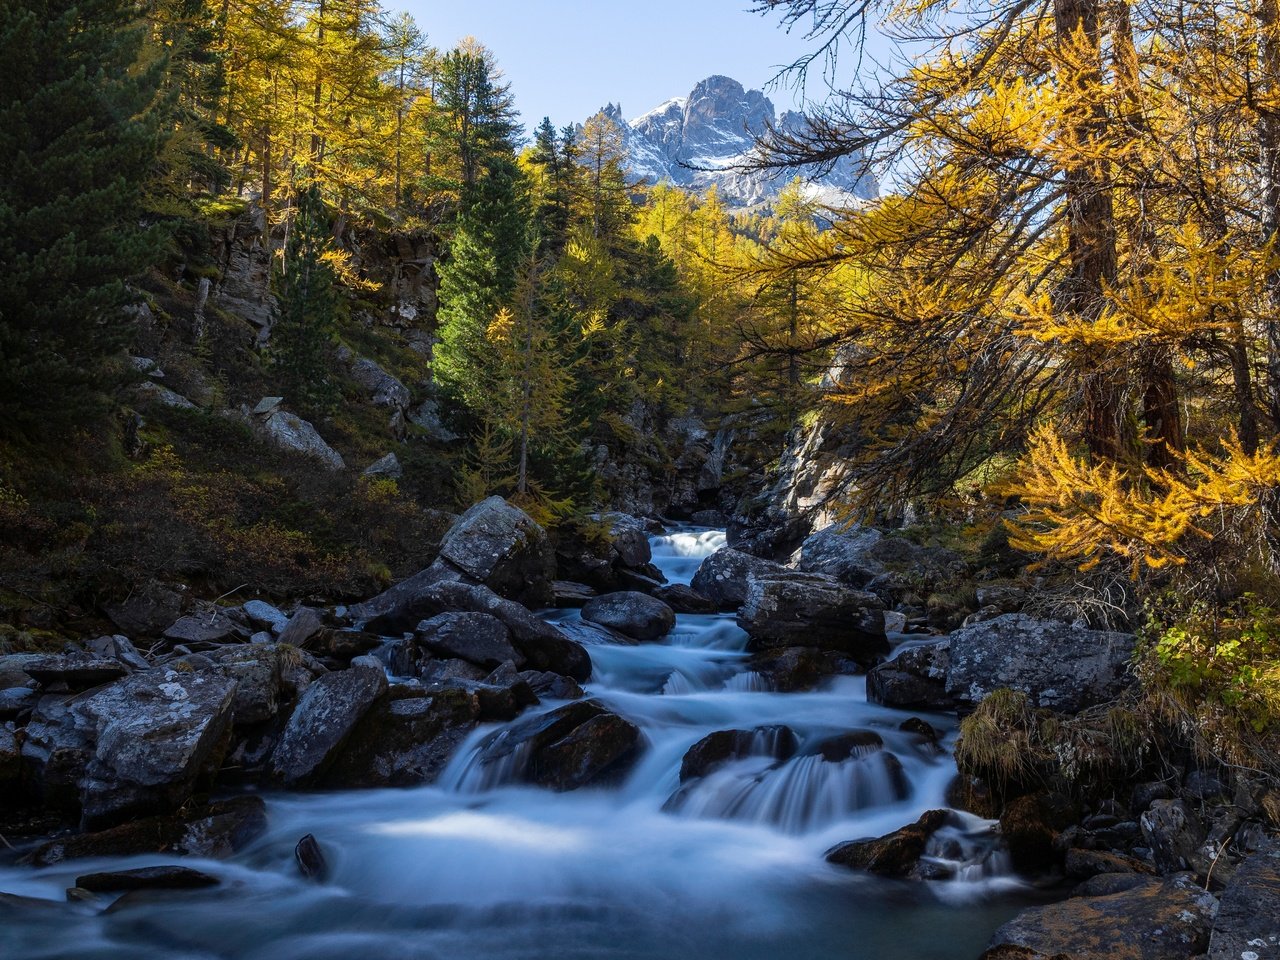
{"x": 700, "y": 140}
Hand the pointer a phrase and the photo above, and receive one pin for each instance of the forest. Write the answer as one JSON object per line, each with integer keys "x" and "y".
{"x": 297, "y": 308}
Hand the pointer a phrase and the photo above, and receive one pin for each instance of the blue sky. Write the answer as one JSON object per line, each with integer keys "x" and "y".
{"x": 567, "y": 58}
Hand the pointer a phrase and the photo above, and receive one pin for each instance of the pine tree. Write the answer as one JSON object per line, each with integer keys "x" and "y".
{"x": 306, "y": 308}
{"x": 79, "y": 135}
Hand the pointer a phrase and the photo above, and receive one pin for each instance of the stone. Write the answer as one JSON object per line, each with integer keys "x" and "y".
{"x": 478, "y": 638}
{"x": 397, "y": 610}
{"x": 894, "y": 855}
{"x": 573, "y": 746}
{"x": 1060, "y": 666}
{"x": 629, "y": 539}
{"x": 323, "y": 720}
{"x": 811, "y": 610}
{"x": 853, "y": 745}
{"x": 75, "y": 672}
{"x": 265, "y": 616}
{"x": 566, "y": 593}
{"x": 301, "y": 627}
{"x": 1004, "y": 597}
{"x": 118, "y": 648}
{"x": 17, "y": 702}
{"x": 845, "y": 554}
{"x": 551, "y": 686}
{"x": 207, "y": 627}
{"x": 388, "y": 466}
{"x": 632, "y": 614}
{"x": 10, "y": 755}
{"x": 722, "y": 577}
{"x": 1105, "y": 884}
{"x": 406, "y": 739}
{"x": 291, "y": 434}
{"x": 684, "y": 599}
{"x": 427, "y": 416}
{"x": 1176, "y": 837}
{"x": 1030, "y": 824}
{"x": 381, "y": 387}
{"x": 13, "y": 669}
{"x": 343, "y": 645}
{"x": 148, "y": 609}
{"x": 255, "y": 667}
{"x": 1154, "y": 920}
{"x": 723, "y": 746}
{"x": 310, "y": 858}
{"x": 1082, "y": 864}
{"x": 266, "y": 405}
{"x": 147, "y": 878}
{"x": 501, "y": 546}
{"x": 916, "y": 679}
{"x": 1247, "y": 926}
{"x": 164, "y": 396}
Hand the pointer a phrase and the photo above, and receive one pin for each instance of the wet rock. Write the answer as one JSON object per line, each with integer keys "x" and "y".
{"x": 921, "y": 728}
{"x": 478, "y": 638}
{"x": 342, "y": 645}
{"x": 551, "y": 686}
{"x": 1176, "y": 837}
{"x": 849, "y": 746}
{"x": 799, "y": 668}
{"x": 573, "y": 746}
{"x": 207, "y": 627}
{"x": 895, "y": 855}
{"x": 1248, "y": 921}
{"x": 310, "y": 858}
{"x": 973, "y": 795}
{"x": 301, "y": 627}
{"x": 1060, "y": 666}
{"x": 1029, "y": 826}
{"x": 75, "y": 672}
{"x": 629, "y": 540}
{"x": 566, "y": 593}
{"x": 778, "y": 742}
{"x": 722, "y": 577}
{"x": 501, "y": 546}
{"x": 848, "y": 555}
{"x": 1155, "y": 920}
{"x": 633, "y": 614}
{"x": 406, "y": 739}
{"x": 323, "y": 720}
{"x": 684, "y": 599}
{"x": 916, "y": 679}
{"x": 217, "y": 830}
{"x": 434, "y": 672}
{"x": 147, "y": 878}
{"x": 148, "y": 609}
{"x": 791, "y": 609}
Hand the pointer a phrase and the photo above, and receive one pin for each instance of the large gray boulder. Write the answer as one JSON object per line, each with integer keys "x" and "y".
{"x": 723, "y": 576}
{"x": 134, "y": 748}
{"x": 793, "y": 609}
{"x": 501, "y": 546}
{"x": 478, "y": 638}
{"x": 846, "y": 554}
{"x": 636, "y": 615}
{"x": 323, "y": 720}
{"x": 1248, "y": 921}
{"x": 381, "y": 387}
{"x": 290, "y": 433}
{"x": 916, "y": 679}
{"x": 1152, "y": 920}
{"x": 1058, "y": 665}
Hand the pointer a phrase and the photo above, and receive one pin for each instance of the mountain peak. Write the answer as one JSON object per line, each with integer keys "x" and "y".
{"x": 697, "y": 141}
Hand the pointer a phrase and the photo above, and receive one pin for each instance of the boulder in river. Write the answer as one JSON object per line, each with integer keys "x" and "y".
{"x": 799, "y": 609}
{"x": 723, "y": 576}
{"x": 916, "y": 679}
{"x": 684, "y": 599}
{"x": 633, "y": 614}
{"x": 323, "y": 720}
{"x": 146, "y": 878}
{"x": 1060, "y": 666}
{"x": 848, "y": 554}
{"x": 894, "y": 855}
{"x": 501, "y": 546}
{"x": 722, "y": 746}
{"x": 478, "y": 638}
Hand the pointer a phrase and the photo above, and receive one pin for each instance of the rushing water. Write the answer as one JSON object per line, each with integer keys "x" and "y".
{"x": 728, "y": 866}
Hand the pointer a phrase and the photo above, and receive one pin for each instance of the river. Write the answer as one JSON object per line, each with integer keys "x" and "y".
{"x": 476, "y": 867}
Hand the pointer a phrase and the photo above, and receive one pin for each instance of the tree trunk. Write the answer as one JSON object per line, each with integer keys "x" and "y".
{"x": 1269, "y": 147}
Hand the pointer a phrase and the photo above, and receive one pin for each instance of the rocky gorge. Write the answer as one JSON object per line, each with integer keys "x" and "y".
{"x": 688, "y": 720}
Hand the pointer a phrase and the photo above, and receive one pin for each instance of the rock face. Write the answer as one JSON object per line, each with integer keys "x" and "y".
{"x": 1153, "y": 920}
{"x": 714, "y": 127}
{"x": 136, "y": 747}
{"x": 1248, "y": 921}
{"x": 1060, "y": 666}
{"x": 722, "y": 577}
{"x": 804, "y": 609}
{"x": 323, "y": 720}
{"x": 292, "y": 434}
{"x": 916, "y": 679}
{"x": 633, "y": 614}
{"x": 571, "y": 747}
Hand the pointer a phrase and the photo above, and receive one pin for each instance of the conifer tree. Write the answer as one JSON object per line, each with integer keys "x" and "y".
{"x": 79, "y": 135}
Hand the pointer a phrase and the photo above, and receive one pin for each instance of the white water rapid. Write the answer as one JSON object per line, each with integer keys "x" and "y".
{"x": 727, "y": 866}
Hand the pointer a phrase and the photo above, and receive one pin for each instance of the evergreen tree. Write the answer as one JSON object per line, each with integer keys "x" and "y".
{"x": 79, "y": 135}
{"x": 306, "y": 308}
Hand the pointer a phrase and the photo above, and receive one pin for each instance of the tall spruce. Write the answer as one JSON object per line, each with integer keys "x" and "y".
{"x": 80, "y": 130}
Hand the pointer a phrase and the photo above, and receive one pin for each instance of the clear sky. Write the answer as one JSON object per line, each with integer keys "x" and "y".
{"x": 567, "y": 58}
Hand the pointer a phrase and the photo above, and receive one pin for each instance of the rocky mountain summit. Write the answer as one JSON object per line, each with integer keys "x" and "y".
{"x": 700, "y": 140}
